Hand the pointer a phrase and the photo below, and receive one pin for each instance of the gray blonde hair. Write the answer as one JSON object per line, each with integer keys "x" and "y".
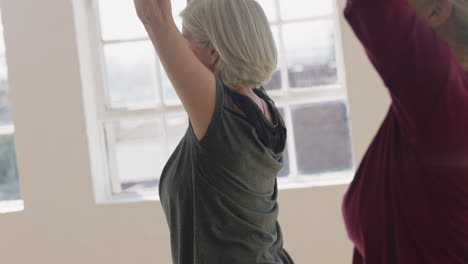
{"x": 239, "y": 31}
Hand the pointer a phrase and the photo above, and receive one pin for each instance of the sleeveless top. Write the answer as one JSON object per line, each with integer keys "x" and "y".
{"x": 219, "y": 194}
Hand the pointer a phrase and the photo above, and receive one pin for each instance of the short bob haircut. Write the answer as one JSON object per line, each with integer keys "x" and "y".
{"x": 239, "y": 31}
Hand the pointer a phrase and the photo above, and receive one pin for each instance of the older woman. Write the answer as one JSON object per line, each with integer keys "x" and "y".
{"x": 218, "y": 189}
{"x": 408, "y": 203}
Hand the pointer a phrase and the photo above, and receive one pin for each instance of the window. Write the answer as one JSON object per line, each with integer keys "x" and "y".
{"x": 309, "y": 87}
{"x": 9, "y": 184}
{"x": 141, "y": 119}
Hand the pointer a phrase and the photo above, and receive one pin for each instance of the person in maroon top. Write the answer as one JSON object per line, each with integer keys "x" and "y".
{"x": 408, "y": 203}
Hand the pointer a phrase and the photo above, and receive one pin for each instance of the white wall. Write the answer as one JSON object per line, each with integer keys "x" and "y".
{"x": 61, "y": 222}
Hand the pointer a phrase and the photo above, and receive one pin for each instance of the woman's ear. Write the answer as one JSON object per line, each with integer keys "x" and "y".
{"x": 440, "y": 11}
{"x": 214, "y": 55}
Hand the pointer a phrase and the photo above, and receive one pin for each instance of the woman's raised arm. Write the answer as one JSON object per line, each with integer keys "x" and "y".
{"x": 415, "y": 63}
{"x": 194, "y": 83}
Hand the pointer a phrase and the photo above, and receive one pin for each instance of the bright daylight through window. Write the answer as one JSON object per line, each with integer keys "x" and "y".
{"x": 142, "y": 120}
{"x": 9, "y": 183}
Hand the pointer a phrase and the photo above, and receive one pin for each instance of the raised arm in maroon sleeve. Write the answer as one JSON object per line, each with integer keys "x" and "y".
{"x": 408, "y": 203}
{"x": 414, "y": 62}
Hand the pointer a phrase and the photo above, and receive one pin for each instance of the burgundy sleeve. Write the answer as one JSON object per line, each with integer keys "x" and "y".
{"x": 415, "y": 63}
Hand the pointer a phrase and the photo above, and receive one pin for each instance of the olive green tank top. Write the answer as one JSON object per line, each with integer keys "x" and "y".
{"x": 219, "y": 194}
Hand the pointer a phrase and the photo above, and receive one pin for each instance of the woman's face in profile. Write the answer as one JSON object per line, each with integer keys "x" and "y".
{"x": 435, "y": 13}
{"x": 422, "y": 8}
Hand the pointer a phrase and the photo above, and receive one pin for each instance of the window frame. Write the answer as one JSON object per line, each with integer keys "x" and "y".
{"x": 8, "y": 206}
{"x": 106, "y": 183}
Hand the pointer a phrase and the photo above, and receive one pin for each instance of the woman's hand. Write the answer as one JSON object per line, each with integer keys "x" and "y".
{"x": 153, "y": 12}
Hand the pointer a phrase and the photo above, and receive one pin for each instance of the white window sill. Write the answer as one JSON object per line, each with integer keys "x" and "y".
{"x": 300, "y": 182}
{"x": 316, "y": 180}
{"x": 128, "y": 198}
{"x": 11, "y": 206}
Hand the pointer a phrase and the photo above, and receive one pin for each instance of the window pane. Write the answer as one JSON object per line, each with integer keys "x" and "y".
{"x": 5, "y": 114}
{"x": 177, "y": 7}
{"x": 170, "y": 95}
{"x": 322, "y": 136}
{"x": 310, "y": 51}
{"x": 176, "y": 128}
{"x": 131, "y": 75}
{"x": 9, "y": 183}
{"x": 119, "y": 20}
{"x": 275, "y": 82}
{"x": 294, "y": 9}
{"x": 2, "y": 42}
{"x": 269, "y": 7}
{"x": 138, "y": 152}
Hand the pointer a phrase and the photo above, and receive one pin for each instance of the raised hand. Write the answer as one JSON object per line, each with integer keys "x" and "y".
{"x": 153, "y": 11}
